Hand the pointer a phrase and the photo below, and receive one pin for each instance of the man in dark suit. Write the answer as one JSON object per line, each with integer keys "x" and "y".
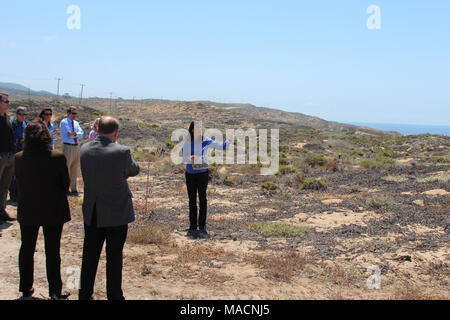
{"x": 107, "y": 207}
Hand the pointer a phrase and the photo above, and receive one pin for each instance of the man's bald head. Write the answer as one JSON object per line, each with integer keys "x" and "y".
{"x": 108, "y": 125}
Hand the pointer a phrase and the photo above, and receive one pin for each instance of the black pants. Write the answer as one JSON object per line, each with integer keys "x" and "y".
{"x": 197, "y": 183}
{"x": 13, "y": 190}
{"x": 93, "y": 244}
{"x": 52, "y": 237}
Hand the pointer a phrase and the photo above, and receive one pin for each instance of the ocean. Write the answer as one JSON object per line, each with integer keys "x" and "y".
{"x": 409, "y": 129}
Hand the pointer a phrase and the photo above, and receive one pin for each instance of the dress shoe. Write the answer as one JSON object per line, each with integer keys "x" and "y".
{"x": 28, "y": 295}
{"x": 61, "y": 296}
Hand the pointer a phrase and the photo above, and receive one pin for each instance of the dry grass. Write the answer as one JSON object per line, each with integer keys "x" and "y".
{"x": 195, "y": 254}
{"x": 340, "y": 276}
{"x": 406, "y": 291}
{"x": 151, "y": 233}
{"x": 281, "y": 267}
{"x": 396, "y": 178}
{"x": 75, "y": 202}
{"x": 442, "y": 178}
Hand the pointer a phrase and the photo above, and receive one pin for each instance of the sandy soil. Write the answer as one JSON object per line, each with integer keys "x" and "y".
{"x": 328, "y": 262}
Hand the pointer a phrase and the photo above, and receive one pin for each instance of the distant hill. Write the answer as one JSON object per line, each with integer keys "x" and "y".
{"x": 296, "y": 118}
{"x": 248, "y": 111}
{"x": 14, "y": 88}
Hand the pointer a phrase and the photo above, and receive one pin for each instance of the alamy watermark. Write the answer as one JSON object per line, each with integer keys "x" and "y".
{"x": 74, "y": 20}
{"x": 374, "y": 280}
{"x": 249, "y": 146}
{"x": 374, "y": 20}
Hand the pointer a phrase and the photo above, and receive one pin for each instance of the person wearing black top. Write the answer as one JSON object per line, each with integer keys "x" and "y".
{"x": 43, "y": 180}
{"x": 6, "y": 155}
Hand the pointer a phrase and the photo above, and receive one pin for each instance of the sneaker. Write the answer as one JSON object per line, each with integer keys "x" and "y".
{"x": 62, "y": 296}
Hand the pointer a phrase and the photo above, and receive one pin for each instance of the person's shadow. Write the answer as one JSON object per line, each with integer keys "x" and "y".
{"x": 4, "y": 226}
{"x": 31, "y": 299}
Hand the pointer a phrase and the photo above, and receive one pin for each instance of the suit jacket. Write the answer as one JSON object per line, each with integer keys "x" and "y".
{"x": 105, "y": 167}
{"x": 43, "y": 181}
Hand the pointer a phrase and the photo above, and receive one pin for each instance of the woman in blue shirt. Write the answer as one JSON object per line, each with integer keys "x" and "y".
{"x": 46, "y": 116}
{"x": 197, "y": 177}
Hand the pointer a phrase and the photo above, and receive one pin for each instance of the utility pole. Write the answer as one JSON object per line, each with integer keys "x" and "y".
{"x": 110, "y": 103}
{"x": 29, "y": 95}
{"x": 59, "y": 80}
{"x": 81, "y": 94}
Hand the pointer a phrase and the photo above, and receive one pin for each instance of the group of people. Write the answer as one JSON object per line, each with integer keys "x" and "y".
{"x": 40, "y": 172}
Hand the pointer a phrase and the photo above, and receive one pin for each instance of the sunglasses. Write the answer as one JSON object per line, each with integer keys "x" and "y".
{"x": 74, "y": 113}
{"x": 5, "y": 101}
{"x": 22, "y": 114}
{"x": 48, "y": 114}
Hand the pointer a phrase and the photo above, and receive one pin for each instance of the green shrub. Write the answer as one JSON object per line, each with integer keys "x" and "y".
{"x": 283, "y": 159}
{"x": 356, "y": 153}
{"x": 387, "y": 153}
{"x": 98, "y": 114}
{"x": 275, "y": 229}
{"x": 382, "y": 204}
{"x": 229, "y": 181}
{"x": 286, "y": 170}
{"x": 316, "y": 160}
{"x": 269, "y": 186}
{"x": 301, "y": 150}
{"x": 170, "y": 144}
{"x": 313, "y": 184}
{"x": 379, "y": 162}
{"x": 438, "y": 159}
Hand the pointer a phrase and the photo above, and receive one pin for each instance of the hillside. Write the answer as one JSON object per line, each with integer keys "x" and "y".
{"x": 14, "y": 88}
{"x": 343, "y": 200}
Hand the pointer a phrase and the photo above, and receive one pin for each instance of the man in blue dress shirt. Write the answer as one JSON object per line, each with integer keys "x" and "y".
{"x": 71, "y": 134}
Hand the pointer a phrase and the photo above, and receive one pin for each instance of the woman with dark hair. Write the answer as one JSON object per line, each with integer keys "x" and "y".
{"x": 195, "y": 150}
{"x": 94, "y": 132}
{"x": 46, "y": 117}
{"x": 43, "y": 180}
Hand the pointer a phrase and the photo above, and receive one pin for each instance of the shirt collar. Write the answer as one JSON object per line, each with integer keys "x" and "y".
{"x": 104, "y": 139}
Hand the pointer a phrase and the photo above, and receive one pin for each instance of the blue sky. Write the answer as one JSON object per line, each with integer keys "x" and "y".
{"x": 314, "y": 57}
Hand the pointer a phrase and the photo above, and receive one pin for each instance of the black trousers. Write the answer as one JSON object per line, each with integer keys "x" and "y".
{"x": 197, "y": 183}
{"x": 94, "y": 238}
{"x": 52, "y": 236}
{"x": 13, "y": 190}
